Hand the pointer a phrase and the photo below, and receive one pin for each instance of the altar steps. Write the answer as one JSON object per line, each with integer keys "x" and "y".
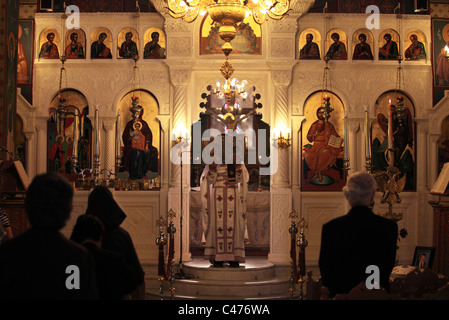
{"x": 255, "y": 279}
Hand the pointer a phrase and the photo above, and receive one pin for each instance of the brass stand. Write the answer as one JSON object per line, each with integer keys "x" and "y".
{"x": 96, "y": 169}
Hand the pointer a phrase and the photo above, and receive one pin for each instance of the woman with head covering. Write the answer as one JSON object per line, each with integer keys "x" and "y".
{"x": 102, "y": 204}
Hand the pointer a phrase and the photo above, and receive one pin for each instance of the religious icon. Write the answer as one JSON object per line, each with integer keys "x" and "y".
{"x": 128, "y": 48}
{"x": 323, "y": 145}
{"x": 140, "y": 155}
{"x": 441, "y": 52}
{"x": 49, "y": 48}
{"x": 76, "y": 44}
{"x": 416, "y": 50}
{"x": 399, "y": 138}
{"x": 247, "y": 40}
{"x": 310, "y": 49}
{"x": 337, "y": 50}
{"x": 362, "y": 50}
{"x": 389, "y": 50}
{"x": 60, "y": 133}
{"x": 155, "y": 48}
{"x": 100, "y": 48}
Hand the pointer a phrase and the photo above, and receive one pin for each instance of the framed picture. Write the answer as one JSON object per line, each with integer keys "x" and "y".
{"x": 423, "y": 257}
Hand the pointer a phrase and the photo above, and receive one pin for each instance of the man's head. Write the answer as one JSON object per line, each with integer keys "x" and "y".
{"x": 309, "y": 37}
{"x": 387, "y": 37}
{"x": 360, "y": 189}
{"x": 129, "y": 36}
{"x": 414, "y": 38}
{"x": 155, "y": 36}
{"x": 50, "y": 36}
{"x": 74, "y": 37}
{"x": 321, "y": 113}
{"x": 48, "y": 201}
{"x": 335, "y": 36}
{"x": 102, "y": 36}
{"x": 362, "y": 38}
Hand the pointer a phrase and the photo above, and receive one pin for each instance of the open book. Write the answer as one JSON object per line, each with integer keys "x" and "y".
{"x": 440, "y": 185}
{"x": 335, "y": 142}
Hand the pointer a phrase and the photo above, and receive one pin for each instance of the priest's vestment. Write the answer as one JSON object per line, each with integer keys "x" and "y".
{"x": 224, "y": 213}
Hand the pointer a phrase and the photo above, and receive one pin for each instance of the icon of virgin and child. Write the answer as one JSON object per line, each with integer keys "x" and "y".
{"x": 139, "y": 154}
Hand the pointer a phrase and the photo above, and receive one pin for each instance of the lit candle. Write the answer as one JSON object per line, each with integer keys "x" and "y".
{"x": 118, "y": 135}
{"x": 346, "y": 140}
{"x": 75, "y": 134}
{"x": 390, "y": 126}
{"x": 367, "y": 135}
{"x": 97, "y": 134}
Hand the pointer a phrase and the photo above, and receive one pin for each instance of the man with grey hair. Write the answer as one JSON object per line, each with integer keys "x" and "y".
{"x": 351, "y": 243}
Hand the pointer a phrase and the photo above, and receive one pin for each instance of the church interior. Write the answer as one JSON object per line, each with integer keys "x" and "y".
{"x": 77, "y": 74}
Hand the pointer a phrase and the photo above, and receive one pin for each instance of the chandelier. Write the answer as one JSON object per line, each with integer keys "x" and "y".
{"x": 228, "y": 13}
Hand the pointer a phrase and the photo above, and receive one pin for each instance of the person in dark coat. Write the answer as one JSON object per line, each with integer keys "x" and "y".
{"x": 102, "y": 204}
{"x": 115, "y": 278}
{"x": 351, "y": 243}
{"x": 41, "y": 263}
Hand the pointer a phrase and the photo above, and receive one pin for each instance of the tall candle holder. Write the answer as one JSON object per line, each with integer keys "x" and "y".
{"x": 96, "y": 169}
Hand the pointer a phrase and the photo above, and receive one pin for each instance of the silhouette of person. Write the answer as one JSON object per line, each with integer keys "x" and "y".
{"x": 351, "y": 243}
{"x": 115, "y": 278}
{"x": 41, "y": 263}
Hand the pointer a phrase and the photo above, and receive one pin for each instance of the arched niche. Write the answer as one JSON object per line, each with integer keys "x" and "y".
{"x": 127, "y": 50}
{"x": 153, "y": 49}
{"x": 322, "y": 144}
{"x": 416, "y": 51}
{"x": 404, "y": 137}
{"x": 132, "y": 148}
{"x": 362, "y": 51}
{"x": 75, "y": 40}
{"x": 60, "y": 133}
{"x": 334, "y": 52}
{"x": 248, "y": 38}
{"x": 101, "y": 42}
{"x": 393, "y": 48}
{"x": 49, "y": 44}
{"x": 307, "y": 50}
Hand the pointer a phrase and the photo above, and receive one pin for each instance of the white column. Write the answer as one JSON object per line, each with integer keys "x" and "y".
{"x": 179, "y": 76}
{"x": 353, "y": 127}
{"x": 109, "y": 149}
{"x": 282, "y": 79}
